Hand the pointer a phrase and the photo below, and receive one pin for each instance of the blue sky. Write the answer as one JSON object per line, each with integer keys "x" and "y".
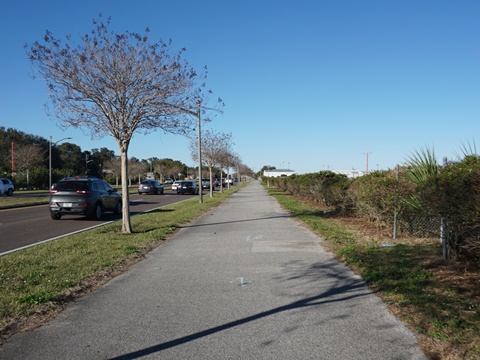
{"x": 309, "y": 85}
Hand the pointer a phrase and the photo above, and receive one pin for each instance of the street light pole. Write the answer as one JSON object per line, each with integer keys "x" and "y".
{"x": 199, "y": 154}
{"x": 50, "y": 164}
{"x": 50, "y": 160}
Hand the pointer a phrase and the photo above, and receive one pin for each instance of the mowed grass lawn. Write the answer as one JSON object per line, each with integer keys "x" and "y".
{"x": 38, "y": 281}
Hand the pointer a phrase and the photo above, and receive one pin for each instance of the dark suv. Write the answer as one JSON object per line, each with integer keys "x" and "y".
{"x": 85, "y": 196}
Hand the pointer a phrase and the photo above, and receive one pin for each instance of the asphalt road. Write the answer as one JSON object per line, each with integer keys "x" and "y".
{"x": 244, "y": 282}
{"x": 24, "y": 226}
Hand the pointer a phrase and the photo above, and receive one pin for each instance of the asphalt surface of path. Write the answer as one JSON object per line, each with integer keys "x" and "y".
{"x": 243, "y": 282}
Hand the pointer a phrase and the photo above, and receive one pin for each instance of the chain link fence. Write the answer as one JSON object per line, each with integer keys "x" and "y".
{"x": 426, "y": 226}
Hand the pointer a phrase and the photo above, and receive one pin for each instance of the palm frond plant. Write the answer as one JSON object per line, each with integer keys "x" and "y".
{"x": 422, "y": 172}
{"x": 422, "y": 165}
{"x": 468, "y": 149}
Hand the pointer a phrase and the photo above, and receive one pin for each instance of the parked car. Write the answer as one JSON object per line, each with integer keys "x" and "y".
{"x": 169, "y": 181}
{"x": 88, "y": 196}
{"x": 175, "y": 185}
{"x": 6, "y": 187}
{"x": 150, "y": 187}
{"x": 188, "y": 187}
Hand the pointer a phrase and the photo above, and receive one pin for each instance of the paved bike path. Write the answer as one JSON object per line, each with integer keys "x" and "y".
{"x": 243, "y": 282}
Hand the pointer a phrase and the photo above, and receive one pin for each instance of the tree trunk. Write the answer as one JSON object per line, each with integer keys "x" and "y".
{"x": 221, "y": 180}
{"x": 211, "y": 182}
{"x": 126, "y": 224}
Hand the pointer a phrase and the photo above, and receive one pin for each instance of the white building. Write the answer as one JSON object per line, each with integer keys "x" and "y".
{"x": 278, "y": 172}
{"x": 350, "y": 173}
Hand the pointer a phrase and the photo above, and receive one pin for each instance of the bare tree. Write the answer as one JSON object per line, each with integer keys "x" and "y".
{"x": 226, "y": 162}
{"x": 118, "y": 84}
{"x": 176, "y": 169}
{"x": 161, "y": 169}
{"x": 27, "y": 156}
{"x": 214, "y": 145}
{"x": 246, "y": 170}
{"x": 114, "y": 166}
{"x": 230, "y": 160}
{"x": 136, "y": 169}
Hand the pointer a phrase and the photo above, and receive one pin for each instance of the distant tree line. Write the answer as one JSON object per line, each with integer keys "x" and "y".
{"x": 25, "y": 158}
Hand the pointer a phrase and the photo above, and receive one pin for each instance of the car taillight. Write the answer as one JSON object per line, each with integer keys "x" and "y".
{"x": 83, "y": 191}
{"x": 53, "y": 191}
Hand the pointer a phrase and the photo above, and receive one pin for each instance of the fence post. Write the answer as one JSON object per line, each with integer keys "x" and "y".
{"x": 443, "y": 233}
{"x": 396, "y": 199}
{"x": 443, "y": 240}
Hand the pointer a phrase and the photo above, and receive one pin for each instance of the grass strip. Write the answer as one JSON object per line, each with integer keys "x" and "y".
{"x": 14, "y": 201}
{"x": 39, "y": 279}
{"x": 447, "y": 319}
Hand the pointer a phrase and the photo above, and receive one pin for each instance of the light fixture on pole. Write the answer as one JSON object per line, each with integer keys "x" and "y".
{"x": 50, "y": 160}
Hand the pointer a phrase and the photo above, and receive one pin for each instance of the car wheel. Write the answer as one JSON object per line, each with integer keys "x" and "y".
{"x": 118, "y": 208}
{"x": 97, "y": 212}
{"x": 55, "y": 215}
{"x": 9, "y": 192}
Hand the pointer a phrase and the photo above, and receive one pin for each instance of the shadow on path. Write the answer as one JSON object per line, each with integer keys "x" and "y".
{"x": 327, "y": 297}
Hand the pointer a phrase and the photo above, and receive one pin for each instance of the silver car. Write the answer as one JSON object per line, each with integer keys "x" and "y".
{"x": 83, "y": 196}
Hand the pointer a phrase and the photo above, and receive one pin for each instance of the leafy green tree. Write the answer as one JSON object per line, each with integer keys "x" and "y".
{"x": 70, "y": 157}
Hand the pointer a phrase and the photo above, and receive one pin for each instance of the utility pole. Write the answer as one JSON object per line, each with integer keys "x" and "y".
{"x": 368, "y": 153}
{"x": 200, "y": 196}
{"x": 13, "y": 161}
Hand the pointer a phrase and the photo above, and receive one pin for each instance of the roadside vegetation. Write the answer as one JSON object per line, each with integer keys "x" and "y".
{"x": 15, "y": 201}
{"x": 39, "y": 281}
{"x": 438, "y": 297}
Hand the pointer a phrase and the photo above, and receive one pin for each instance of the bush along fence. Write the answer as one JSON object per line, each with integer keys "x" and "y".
{"x": 420, "y": 199}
